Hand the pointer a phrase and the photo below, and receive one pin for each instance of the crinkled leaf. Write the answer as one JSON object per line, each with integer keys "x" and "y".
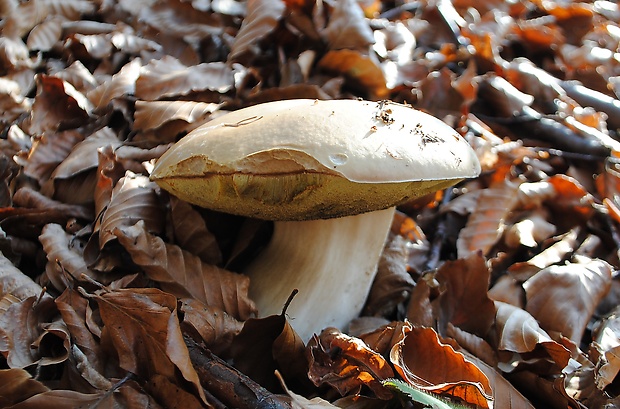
{"x": 428, "y": 364}
{"x": 563, "y": 298}
{"x": 143, "y": 327}
{"x": 184, "y": 274}
{"x": 346, "y": 363}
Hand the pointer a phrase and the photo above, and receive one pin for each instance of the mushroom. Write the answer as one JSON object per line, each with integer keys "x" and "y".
{"x": 329, "y": 174}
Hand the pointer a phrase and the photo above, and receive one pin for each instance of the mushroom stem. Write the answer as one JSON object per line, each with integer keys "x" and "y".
{"x": 331, "y": 262}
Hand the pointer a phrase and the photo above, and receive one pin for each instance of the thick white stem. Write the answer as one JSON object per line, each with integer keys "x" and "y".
{"x": 331, "y": 262}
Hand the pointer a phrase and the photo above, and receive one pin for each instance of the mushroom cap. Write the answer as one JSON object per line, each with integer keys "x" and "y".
{"x": 310, "y": 159}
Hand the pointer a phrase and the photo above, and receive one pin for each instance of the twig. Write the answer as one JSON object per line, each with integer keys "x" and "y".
{"x": 228, "y": 385}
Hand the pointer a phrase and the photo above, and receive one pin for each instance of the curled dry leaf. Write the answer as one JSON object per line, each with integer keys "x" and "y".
{"x": 465, "y": 302}
{"x": 357, "y": 68}
{"x": 214, "y": 327}
{"x": 270, "y": 344}
{"x": 143, "y": 327}
{"x": 392, "y": 283}
{"x": 121, "y": 84}
{"x": 563, "y": 298}
{"x": 184, "y": 274}
{"x": 261, "y": 19}
{"x": 47, "y": 152}
{"x": 486, "y": 224}
{"x": 191, "y": 232}
{"x": 64, "y": 256}
{"x": 153, "y": 114}
{"x": 346, "y": 364}
{"x": 31, "y": 334}
{"x": 169, "y": 77}
{"x": 347, "y": 27}
{"x": 607, "y": 344}
{"x": 17, "y": 385}
{"x": 57, "y": 105}
{"x": 518, "y": 332}
{"x": 15, "y": 283}
{"x": 428, "y": 364}
{"x": 133, "y": 199}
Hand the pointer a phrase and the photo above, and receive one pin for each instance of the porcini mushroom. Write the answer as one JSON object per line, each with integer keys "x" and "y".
{"x": 329, "y": 174}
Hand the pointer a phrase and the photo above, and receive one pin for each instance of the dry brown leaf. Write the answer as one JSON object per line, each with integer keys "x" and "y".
{"x": 150, "y": 341}
{"x": 14, "y": 282}
{"x": 17, "y": 385}
{"x": 265, "y": 345}
{"x": 486, "y": 224}
{"x": 213, "y": 326}
{"x": 392, "y": 283}
{"x": 347, "y": 27}
{"x": 57, "y": 106}
{"x": 185, "y": 274}
{"x": 47, "y": 152}
{"x": 465, "y": 302}
{"x": 563, "y": 298}
{"x": 346, "y": 364}
{"x": 153, "y": 114}
{"x": 191, "y": 232}
{"x": 30, "y": 198}
{"x": 83, "y": 155}
{"x": 30, "y": 334}
{"x": 169, "y": 77}
{"x": 74, "y": 310}
{"x": 518, "y": 332}
{"x": 45, "y": 35}
{"x": 121, "y": 84}
{"x": 125, "y": 397}
{"x": 551, "y": 255}
{"x": 357, "y": 68}
{"x": 64, "y": 256}
{"x": 133, "y": 199}
{"x": 262, "y": 17}
{"x": 607, "y": 344}
{"x": 428, "y": 364}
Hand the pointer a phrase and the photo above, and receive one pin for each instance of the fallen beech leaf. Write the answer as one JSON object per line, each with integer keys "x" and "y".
{"x": 45, "y": 35}
{"x": 262, "y": 17}
{"x": 465, "y": 302}
{"x": 150, "y": 343}
{"x": 125, "y": 397}
{"x": 563, "y": 298}
{"x": 299, "y": 402}
{"x": 486, "y": 224}
{"x": 64, "y": 260}
{"x": 121, "y": 84}
{"x": 74, "y": 310}
{"x": 529, "y": 231}
{"x": 153, "y": 114}
{"x": 607, "y": 343}
{"x": 191, "y": 232}
{"x": 518, "y": 332}
{"x": 428, "y": 364}
{"x": 347, "y": 27}
{"x": 133, "y": 199}
{"x": 213, "y": 326}
{"x": 30, "y": 334}
{"x": 346, "y": 364}
{"x": 392, "y": 283}
{"x": 270, "y": 344}
{"x": 169, "y": 77}
{"x": 551, "y": 255}
{"x": 14, "y": 282}
{"x": 357, "y": 68}
{"x": 47, "y": 152}
{"x": 185, "y": 274}
{"x": 57, "y": 106}
{"x": 17, "y": 385}
{"x": 27, "y": 197}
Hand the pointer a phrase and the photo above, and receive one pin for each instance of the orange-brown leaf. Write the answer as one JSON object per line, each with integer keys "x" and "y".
{"x": 428, "y": 364}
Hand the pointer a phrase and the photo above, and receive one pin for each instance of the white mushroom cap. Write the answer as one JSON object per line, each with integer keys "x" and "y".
{"x": 305, "y": 159}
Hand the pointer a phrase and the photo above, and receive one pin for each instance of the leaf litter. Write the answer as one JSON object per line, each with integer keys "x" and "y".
{"x": 499, "y": 292}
